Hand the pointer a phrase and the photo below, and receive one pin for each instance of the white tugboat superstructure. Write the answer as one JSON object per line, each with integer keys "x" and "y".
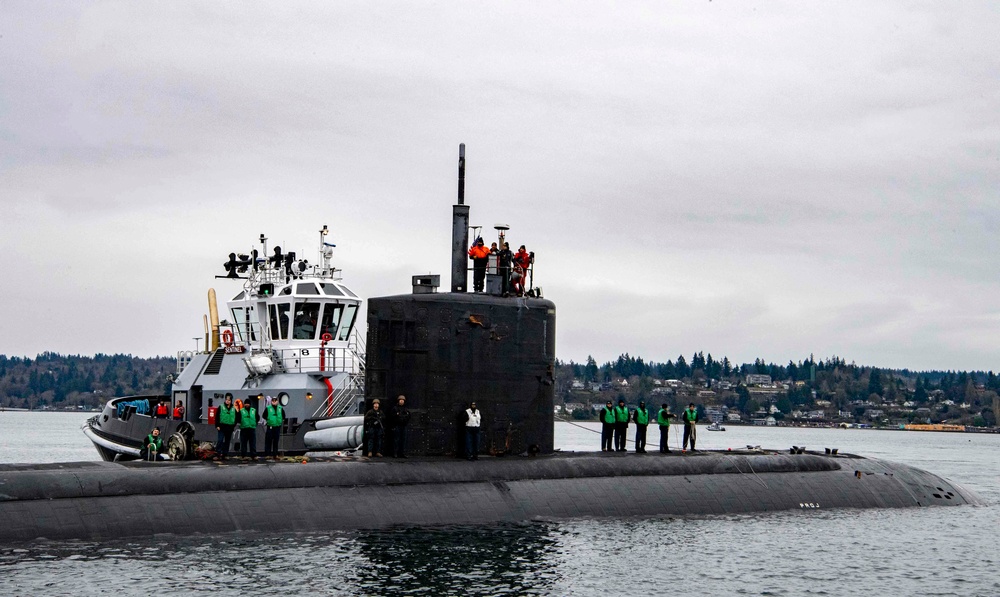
{"x": 289, "y": 334}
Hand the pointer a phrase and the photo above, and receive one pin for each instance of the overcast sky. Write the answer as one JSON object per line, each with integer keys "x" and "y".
{"x": 746, "y": 179}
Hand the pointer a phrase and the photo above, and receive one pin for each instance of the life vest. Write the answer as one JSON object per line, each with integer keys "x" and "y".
{"x": 690, "y": 415}
{"x": 607, "y": 415}
{"x": 227, "y": 415}
{"x": 273, "y": 415}
{"x": 178, "y": 413}
{"x": 474, "y": 418}
{"x": 641, "y": 416}
{"x": 248, "y": 417}
{"x": 155, "y": 440}
{"x": 161, "y": 410}
{"x": 663, "y": 418}
{"x": 621, "y": 414}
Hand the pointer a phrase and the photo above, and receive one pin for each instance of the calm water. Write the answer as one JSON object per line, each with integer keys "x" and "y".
{"x": 927, "y": 551}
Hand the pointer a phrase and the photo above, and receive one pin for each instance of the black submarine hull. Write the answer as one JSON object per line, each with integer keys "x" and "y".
{"x": 103, "y": 500}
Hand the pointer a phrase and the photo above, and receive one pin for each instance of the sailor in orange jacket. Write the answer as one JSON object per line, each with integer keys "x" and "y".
{"x": 479, "y": 255}
{"x": 522, "y": 262}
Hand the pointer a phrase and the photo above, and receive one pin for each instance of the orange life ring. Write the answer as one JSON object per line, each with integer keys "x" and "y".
{"x": 227, "y": 337}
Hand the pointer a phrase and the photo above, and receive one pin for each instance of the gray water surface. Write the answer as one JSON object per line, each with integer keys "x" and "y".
{"x": 918, "y": 551}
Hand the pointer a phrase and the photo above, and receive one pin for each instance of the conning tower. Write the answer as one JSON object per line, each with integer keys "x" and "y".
{"x": 443, "y": 350}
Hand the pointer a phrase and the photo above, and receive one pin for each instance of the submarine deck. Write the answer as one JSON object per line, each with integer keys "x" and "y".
{"x": 98, "y": 500}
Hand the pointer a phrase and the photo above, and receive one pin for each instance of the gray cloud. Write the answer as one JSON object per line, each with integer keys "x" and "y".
{"x": 767, "y": 180}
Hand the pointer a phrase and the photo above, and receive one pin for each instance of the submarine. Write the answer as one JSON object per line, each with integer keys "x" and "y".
{"x": 441, "y": 350}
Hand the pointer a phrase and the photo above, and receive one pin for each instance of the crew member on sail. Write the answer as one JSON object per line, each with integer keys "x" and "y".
{"x": 480, "y": 256}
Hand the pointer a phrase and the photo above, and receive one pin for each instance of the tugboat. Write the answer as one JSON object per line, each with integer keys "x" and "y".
{"x": 288, "y": 334}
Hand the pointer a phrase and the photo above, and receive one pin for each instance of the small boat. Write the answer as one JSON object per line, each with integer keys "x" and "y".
{"x": 715, "y": 427}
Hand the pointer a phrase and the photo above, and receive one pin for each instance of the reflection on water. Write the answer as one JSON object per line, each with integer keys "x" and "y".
{"x": 457, "y": 561}
{"x": 918, "y": 551}
{"x": 494, "y": 560}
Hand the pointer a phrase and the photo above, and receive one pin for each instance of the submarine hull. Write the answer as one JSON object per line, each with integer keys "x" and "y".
{"x": 99, "y": 501}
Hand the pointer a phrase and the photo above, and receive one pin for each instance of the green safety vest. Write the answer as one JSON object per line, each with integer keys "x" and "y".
{"x": 641, "y": 416}
{"x": 663, "y": 418}
{"x": 248, "y": 418}
{"x": 621, "y": 414}
{"x": 690, "y": 415}
{"x": 607, "y": 415}
{"x": 156, "y": 441}
{"x": 227, "y": 416}
{"x": 273, "y": 416}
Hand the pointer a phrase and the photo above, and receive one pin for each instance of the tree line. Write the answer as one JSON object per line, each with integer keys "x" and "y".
{"x": 832, "y": 380}
{"x": 72, "y": 381}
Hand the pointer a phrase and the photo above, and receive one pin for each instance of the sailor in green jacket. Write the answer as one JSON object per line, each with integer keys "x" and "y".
{"x": 663, "y": 420}
{"x": 248, "y": 429}
{"x": 274, "y": 417}
{"x": 225, "y": 423}
{"x": 153, "y": 445}
{"x": 621, "y": 425}
{"x": 607, "y": 427}
{"x": 641, "y": 419}
{"x": 690, "y": 418}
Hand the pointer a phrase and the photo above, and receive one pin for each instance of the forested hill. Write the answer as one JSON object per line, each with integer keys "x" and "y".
{"x": 55, "y": 381}
{"x": 808, "y": 391}
{"x": 830, "y": 389}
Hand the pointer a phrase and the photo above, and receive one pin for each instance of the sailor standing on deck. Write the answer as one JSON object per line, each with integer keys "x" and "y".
{"x": 274, "y": 417}
{"x": 607, "y": 427}
{"x": 248, "y": 430}
{"x": 641, "y": 418}
{"x": 663, "y": 420}
{"x": 621, "y": 425}
{"x": 400, "y": 418}
{"x": 473, "y": 419}
{"x": 690, "y": 418}
{"x": 375, "y": 429}
{"x": 225, "y": 423}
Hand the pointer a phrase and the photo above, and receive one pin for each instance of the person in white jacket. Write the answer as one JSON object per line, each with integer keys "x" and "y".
{"x": 473, "y": 419}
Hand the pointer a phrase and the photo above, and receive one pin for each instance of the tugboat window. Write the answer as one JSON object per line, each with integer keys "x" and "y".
{"x": 286, "y": 290}
{"x": 331, "y": 319}
{"x": 245, "y": 325}
{"x": 331, "y": 289}
{"x": 306, "y": 316}
{"x": 279, "y": 321}
{"x": 348, "y": 291}
{"x": 306, "y": 289}
{"x": 348, "y": 321}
